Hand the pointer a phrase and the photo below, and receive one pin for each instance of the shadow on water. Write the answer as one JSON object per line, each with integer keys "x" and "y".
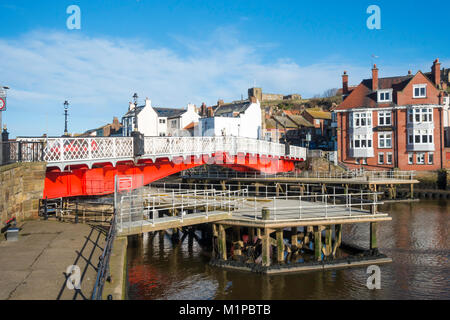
{"x": 417, "y": 239}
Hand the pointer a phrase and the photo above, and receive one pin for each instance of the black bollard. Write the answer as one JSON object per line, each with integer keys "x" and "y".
{"x": 45, "y": 209}
{"x": 76, "y": 211}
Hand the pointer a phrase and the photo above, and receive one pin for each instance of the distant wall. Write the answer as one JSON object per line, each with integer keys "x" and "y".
{"x": 21, "y": 187}
{"x": 271, "y": 97}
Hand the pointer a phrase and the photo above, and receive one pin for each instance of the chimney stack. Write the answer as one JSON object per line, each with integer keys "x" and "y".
{"x": 436, "y": 72}
{"x": 409, "y": 72}
{"x": 375, "y": 78}
{"x": 203, "y": 109}
{"x": 345, "y": 83}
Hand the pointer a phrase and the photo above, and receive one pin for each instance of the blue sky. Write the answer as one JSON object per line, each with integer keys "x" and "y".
{"x": 197, "y": 51}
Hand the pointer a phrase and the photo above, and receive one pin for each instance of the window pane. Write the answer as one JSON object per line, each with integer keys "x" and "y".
{"x": 422, "y": 92}
{"x": 417, "y": 139}
{"x": 416, "y": 92}
{"x": 424, "y": 139}
{"x": 356, "y": 143}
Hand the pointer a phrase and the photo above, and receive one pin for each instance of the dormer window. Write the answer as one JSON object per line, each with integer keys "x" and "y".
{"x": 420, "y": 91}
{"x": 385, "y": 95}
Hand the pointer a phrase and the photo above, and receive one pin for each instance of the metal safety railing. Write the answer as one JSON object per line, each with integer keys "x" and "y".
{"x": 146, "y": 206}
{"x": 310, "y": 207}
{"x": 21, "y": 151}
{"x": 351, "y": 174}
{"x": 103, "y": 273}
{"x": 162, "y": 205}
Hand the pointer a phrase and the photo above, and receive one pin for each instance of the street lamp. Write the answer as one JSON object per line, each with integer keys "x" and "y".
{"x": 66, "y": 108}
{"x": 2, "y": 108}
{"x": 135, "y": 97}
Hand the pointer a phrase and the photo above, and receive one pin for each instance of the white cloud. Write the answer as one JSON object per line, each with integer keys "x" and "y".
{"x": 99, "y": 75}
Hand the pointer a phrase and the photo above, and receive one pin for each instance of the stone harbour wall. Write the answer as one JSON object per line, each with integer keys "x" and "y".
{"x": 21, "y": 188}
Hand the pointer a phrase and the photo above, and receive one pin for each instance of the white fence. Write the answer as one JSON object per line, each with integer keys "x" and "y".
{"x": 83, "y": 149}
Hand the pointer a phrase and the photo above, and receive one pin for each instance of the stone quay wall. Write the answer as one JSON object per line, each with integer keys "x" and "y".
{"x": 21, "y": 188}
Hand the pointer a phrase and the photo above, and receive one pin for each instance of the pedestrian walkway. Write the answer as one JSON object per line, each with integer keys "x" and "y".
{"x": 34, "y": 267}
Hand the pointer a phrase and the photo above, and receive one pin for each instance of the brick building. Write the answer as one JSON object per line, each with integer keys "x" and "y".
{"x": 394, "y": 122}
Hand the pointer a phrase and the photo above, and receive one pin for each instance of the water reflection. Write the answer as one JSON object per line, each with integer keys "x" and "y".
{"x": 417, "y": 239}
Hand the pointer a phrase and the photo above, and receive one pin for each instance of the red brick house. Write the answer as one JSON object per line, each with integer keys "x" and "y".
{"x": 394, "y": 122}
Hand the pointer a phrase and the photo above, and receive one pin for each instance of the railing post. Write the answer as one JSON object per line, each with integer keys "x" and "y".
{"x": 275, "y": 208}
{"x": 61, "y": 148}
{"x": 19, "y": 150}
{"x": 182, "y": 208}
{"x": 300, "y": 207}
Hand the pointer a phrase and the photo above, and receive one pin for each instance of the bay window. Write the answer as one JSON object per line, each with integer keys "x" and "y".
{"x": 420, "y": 115}
{"x": 361, "y": 119}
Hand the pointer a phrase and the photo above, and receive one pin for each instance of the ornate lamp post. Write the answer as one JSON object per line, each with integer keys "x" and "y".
{"x": 135, "y": 97}
{"x": 2, "y": 108}
{"x": 66, "y": 108}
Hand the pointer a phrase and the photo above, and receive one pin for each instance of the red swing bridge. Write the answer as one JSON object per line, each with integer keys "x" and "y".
{"x": 87, "y": 166}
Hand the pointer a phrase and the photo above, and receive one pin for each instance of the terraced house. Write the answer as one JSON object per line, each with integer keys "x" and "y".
{"x": 394, "y": 122}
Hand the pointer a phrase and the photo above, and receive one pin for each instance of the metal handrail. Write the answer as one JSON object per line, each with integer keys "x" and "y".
{"x": 103, "y": 265}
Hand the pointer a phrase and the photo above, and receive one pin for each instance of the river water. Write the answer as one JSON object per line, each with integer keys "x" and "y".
{"x": 417, "y": 239}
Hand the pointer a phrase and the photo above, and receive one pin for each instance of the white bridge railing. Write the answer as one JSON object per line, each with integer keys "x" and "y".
{"x": 70, "y": 150}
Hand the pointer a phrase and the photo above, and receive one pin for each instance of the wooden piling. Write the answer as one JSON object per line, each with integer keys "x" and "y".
{"x": 294, "y": 238}
{"x": 280, "y": 245}
{"x": 373, "y": 235}
{"x": 222, "y": 242}
{"x": 328, "y": 234}
{"x": 317, "y": 243}
{"x": 236, "y": 241}
{"x": 251, "y": 234}
{"x": 337, "y": 238}
{"x": 266, "y": 246}
{"x": 215, "y": 234}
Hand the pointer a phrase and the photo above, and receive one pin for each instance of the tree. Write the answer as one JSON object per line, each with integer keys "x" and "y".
{"x": 330, "y": 93}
